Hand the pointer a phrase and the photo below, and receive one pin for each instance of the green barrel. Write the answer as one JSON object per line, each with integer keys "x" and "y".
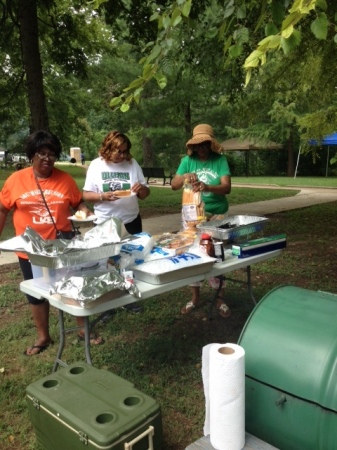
{"x": 290, "y": 340}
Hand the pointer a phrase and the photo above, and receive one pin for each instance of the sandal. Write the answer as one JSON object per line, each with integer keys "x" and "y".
{"x": 188, "y": 308}
{"x": 94, "y": 339}
{"x": 40, "y": 349}
{"x": 224, "y": 311}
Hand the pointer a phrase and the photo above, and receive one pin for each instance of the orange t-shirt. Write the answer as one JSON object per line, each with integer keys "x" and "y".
{"x": 21, "y": 193}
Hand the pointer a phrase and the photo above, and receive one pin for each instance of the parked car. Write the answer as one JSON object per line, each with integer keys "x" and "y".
{"x": 17, "y": 157}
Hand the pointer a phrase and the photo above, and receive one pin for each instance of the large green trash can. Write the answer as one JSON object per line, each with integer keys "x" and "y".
{"x": 290, "y": 340}
{"x": 81, "y": 407}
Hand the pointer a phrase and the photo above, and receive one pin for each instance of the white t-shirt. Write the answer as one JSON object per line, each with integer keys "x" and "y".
{"x": 105, "y": 176}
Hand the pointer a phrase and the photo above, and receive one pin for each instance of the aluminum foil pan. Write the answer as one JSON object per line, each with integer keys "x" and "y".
{"x": 233, "y": 227}
{"x": 75, "y": 257}
{"x": 101, "y": 242}
{"x": 86, "y": 288}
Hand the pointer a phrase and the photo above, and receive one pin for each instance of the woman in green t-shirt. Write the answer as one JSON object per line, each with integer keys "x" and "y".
{"x": 206, "y": 169}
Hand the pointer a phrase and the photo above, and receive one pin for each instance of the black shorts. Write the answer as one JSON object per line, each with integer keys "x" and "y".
{"x": 135, "y": 226}
{"x": 26, "y": 269}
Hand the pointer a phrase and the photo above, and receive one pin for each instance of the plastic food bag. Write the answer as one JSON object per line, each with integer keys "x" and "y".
{"x": 193, "y": 208}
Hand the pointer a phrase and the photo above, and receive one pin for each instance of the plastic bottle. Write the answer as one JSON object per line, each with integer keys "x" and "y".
{"x": 206, "y": 244}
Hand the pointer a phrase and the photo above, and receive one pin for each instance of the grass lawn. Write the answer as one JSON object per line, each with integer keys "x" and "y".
{"x": 160, "y": 350}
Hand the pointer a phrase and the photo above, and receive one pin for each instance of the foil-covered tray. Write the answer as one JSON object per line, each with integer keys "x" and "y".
{"x": 233, "y": 227}
{"x": 178, "y": 274}
{"x": 173, "y": 268}
{"x": 75, "y": 257}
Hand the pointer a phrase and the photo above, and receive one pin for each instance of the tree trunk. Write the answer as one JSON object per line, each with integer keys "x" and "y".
{"x": 291, "y": 162}
{"x": 29, "y": 38}
{"x": 188, "y": 127}
{"x": 148, "y": 156}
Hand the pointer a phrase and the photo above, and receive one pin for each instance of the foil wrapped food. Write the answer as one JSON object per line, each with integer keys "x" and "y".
{"x": 88, "y": 287}
{"x": 101, "y": 241}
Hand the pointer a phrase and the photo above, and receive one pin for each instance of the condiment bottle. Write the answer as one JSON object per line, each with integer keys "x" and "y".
{"x": 206, "y": 244}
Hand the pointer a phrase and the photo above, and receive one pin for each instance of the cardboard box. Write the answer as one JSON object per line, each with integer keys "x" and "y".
{"x": 258, "y": 246}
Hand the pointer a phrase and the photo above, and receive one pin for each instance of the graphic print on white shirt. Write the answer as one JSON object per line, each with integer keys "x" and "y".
{"x": 115, "y": 181}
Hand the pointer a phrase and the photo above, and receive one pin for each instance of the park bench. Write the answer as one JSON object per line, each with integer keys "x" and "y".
{"x": 156, "y": 172}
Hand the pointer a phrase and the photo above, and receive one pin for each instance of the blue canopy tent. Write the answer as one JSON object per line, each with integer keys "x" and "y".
{"x": 326, "y": 141}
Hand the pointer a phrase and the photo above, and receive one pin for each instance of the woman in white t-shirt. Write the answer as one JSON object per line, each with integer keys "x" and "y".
{"x": 115, "y": 182}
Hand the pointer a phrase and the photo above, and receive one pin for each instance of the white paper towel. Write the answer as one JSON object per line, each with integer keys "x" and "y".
{"x": 223, "y": 373}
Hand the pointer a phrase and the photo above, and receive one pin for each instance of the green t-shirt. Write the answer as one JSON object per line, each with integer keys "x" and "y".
{"x": 209, "y": 172}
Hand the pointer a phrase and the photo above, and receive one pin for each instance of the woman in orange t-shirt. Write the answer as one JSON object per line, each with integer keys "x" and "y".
{"x": 22, "y": 194}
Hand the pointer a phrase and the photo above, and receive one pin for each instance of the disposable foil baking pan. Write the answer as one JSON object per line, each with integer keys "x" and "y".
{"x": 173, "y": 275}
{"x": 233, "y": 227}
{"x": 74, "y": 257}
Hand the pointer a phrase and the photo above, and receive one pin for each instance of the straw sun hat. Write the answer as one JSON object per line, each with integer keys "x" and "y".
{"x": 203, "y": 133}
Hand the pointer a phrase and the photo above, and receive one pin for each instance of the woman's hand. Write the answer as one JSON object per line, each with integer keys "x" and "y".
{"x": 191, "y": 178}
{"x": 199, "y": 186}
{"x": 140, "y": 190}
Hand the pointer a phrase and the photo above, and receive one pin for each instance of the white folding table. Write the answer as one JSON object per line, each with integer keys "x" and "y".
{"x": 116, "y": 298}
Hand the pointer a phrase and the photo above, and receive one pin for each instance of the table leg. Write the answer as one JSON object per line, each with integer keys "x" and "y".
{"x": 223, "y": 278}
{"x": 87, "y": 340}
{"x": 216, "y": 295}
{"x": 249, "y": 285}
{"x": 58, "y": 360}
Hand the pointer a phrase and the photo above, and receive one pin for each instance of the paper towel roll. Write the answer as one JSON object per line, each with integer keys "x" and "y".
{"x": 223, "y": 370}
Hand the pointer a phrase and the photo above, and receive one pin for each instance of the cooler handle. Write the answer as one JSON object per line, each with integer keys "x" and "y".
{"x": 149, "y": 432}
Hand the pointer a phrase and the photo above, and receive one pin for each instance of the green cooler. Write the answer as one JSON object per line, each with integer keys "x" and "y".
{"x": 290, "y": 340}
{"x": 81, "y": 407}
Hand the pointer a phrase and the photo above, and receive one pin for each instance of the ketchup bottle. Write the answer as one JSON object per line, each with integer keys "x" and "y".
{"x": 206, "y": 244}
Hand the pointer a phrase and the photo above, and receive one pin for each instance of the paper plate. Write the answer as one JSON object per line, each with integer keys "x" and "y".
{"x": 125, "y": 196}
{"x": 87, "y": 219}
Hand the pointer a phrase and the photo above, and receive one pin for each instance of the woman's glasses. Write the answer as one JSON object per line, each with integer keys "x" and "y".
{"x": 122, "y": 152}
{"x": 44, "y": 155}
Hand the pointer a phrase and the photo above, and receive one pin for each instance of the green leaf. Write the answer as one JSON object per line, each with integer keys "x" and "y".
{"x": 302, "y": 6}
{"x": 154, "y": 53}
{"x": 227, "y": 44}
{"x": 241, "y": 35}
{"x": 154, "y": 16}
{"x": 335, "y": 38}
{"x": 319, "y": 26}
{"x": 176, "y": 21}
{"x": 270, "y": 42}
{"x": 253, "y": 59}
{"x": 291, "y": 43}
{"x": 187, "y": 8}
{"x": 321, "y": 4}
{"x": 134, "y": 84}
{"x": 241, "y": 11}
{"x": 289, "y": 22}
{"x": 166, "y": 22}
{"x": 230, "y": 8}
{"x": 161, "y": 80}
{"x": 211, "y": 33}
{"x": 136, "y": 95}
{"x": 147, "y": 71}
{"x": 235, "y": 50}
{"x": 115, "y": 101}
{"x": 270, "y": 29}
{"x": 248, "y": 77}
{"x": 125, "y": 107}
{"x": 176, "y": 15}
